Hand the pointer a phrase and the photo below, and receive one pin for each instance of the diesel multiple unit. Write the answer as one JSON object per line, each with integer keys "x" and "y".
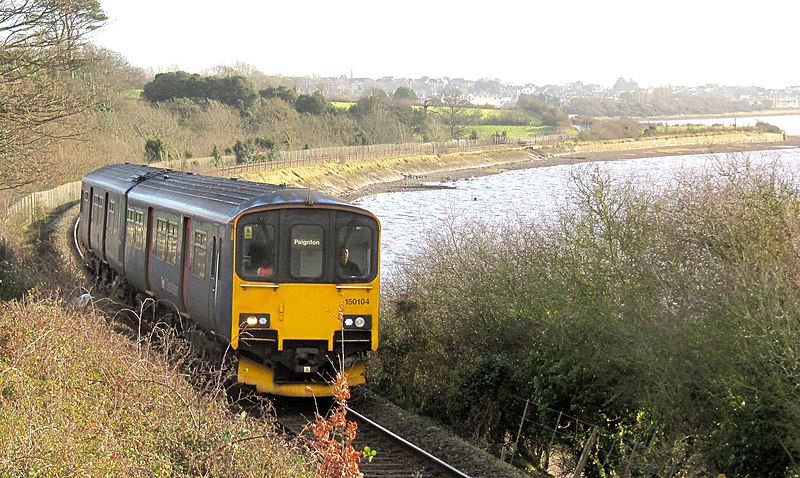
{"x": 286, "y": 278}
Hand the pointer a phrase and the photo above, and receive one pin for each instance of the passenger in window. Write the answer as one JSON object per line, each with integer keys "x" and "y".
{"x": 261, "y": 260}
{"x": 347, "y": 267}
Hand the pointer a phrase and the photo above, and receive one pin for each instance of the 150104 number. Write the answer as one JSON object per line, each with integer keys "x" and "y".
{"x": 356, "y": 301}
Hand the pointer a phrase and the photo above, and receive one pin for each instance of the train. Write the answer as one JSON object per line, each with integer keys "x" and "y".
{"x": 284, "y": 279}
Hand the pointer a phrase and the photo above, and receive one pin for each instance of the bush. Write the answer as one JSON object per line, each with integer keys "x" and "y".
{"x": 599, "y": 129}
{"x": 254, "y": 150}
{"x": 155, "y": 150}
{"x": 12, "y": 280}
{"x": 767, "y": 128}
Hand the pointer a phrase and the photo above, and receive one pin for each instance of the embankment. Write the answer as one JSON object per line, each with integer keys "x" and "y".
{"x": 358, "y": 178}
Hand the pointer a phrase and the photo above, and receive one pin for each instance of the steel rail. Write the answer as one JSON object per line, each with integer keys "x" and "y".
{"x": 75, "y": 237}
{"x": 409, "y": 444}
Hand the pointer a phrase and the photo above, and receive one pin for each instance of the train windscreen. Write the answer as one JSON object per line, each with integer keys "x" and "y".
{"x": 299, "y": 245}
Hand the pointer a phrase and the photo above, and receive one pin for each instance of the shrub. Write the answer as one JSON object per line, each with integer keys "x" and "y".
{"x": 253, "y": 150}
{"x": 604, "y": 129}
{"x": 766, "y": 127}
{"x": 155, "y": 150}
{"x": 12, "y": 280}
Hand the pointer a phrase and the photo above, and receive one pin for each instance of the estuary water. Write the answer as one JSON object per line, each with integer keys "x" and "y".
{"x": 789, "y": 123}
{"x": 533, "y": 193}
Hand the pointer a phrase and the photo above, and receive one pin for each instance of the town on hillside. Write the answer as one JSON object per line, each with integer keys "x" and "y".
{"x": 493, "y": 92}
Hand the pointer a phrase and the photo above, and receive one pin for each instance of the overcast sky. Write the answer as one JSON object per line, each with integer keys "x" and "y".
{"x": 655, "y": 43}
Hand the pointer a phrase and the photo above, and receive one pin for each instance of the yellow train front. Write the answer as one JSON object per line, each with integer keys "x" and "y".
{"x": 305, "y": 291}
{"x": 284, "y": 277}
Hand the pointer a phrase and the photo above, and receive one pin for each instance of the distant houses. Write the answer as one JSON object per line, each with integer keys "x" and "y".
{"x": 493, "y": 92}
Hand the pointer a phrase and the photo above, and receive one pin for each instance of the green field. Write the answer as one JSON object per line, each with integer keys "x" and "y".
{"x": 485, "y": 113}
{"x": 484, "y": 131}
{"x": 514, "y": 132}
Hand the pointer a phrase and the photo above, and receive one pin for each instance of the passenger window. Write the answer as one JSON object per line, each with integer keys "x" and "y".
{"x": 354, "y": 249}
{"x": 112, "y": 218}
{"x": 140, "y": 230}
{"x": 199, "y": 254}
{"x": 130, "y": 228}
{"x": 306, "y": 251}
{"x": 172, "y": 243}
{"x": 161, "y": 239}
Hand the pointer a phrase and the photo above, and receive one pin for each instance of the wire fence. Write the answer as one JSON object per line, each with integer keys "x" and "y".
{"x": 346, "y": 154}
{"x": 554, "y": 438}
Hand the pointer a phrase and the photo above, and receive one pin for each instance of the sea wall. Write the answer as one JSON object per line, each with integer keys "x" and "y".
{"x": 344, "y": 178}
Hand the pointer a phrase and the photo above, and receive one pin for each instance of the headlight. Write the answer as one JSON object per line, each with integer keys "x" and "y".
{"x": 362, "y": 322}
{"x": 260, "y": 321}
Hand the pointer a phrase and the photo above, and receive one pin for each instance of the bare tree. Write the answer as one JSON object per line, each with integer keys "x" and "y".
{"x": 455, "y": 112}
{"x": 41, "y": 46}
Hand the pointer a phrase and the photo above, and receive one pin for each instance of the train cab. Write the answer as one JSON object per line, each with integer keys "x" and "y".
{"x": 306, "y": 296}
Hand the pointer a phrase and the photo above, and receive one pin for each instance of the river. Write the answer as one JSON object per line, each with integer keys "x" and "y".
{"x": 532, "y": 193}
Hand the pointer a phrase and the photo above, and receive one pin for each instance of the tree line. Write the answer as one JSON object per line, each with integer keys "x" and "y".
{"x": 374, "y": 118}
{"x": 640, "y": 103}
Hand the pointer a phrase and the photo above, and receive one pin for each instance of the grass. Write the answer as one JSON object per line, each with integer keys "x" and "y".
{"x": 78, "y": 399}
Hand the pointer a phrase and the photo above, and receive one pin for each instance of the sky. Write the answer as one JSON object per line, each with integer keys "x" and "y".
{"x": 675, "y": 42}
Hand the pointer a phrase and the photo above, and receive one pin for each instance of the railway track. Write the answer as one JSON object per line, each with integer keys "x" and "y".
{"x": 396, "y": 457}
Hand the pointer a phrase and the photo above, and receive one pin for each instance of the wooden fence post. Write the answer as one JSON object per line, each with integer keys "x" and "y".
{"x": 552, "y": 439}
{"x": 585, "y": 455}
{"x": 519, "y": 432}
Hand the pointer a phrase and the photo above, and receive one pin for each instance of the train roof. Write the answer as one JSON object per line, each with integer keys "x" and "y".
{"x": 120, "y": 177}
{"x": 216, "y": 198}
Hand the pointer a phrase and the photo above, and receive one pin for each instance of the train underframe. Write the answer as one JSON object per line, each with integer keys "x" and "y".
{"x": 303, "y": 367}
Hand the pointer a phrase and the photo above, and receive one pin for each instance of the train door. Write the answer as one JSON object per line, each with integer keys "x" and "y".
{"x": 86, "y": 216}
{"x": 214, "y": 271}
{"x": 104, "y": 234}
{"x": 148, "y": 248}
{"x": 185, "y": 257}
{"x": 98, "y": 220}
{"x": 91, "y": 218}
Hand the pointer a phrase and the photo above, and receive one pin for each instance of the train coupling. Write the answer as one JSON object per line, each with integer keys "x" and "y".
{"x": 307, "y": 360}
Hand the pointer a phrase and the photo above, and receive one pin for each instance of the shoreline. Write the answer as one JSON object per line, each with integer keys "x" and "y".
{"x": 418, "y": 182}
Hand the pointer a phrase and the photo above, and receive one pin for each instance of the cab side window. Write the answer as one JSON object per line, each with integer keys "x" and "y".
{"x": 256, "y": 251}
{"x": 354, "y": 249}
